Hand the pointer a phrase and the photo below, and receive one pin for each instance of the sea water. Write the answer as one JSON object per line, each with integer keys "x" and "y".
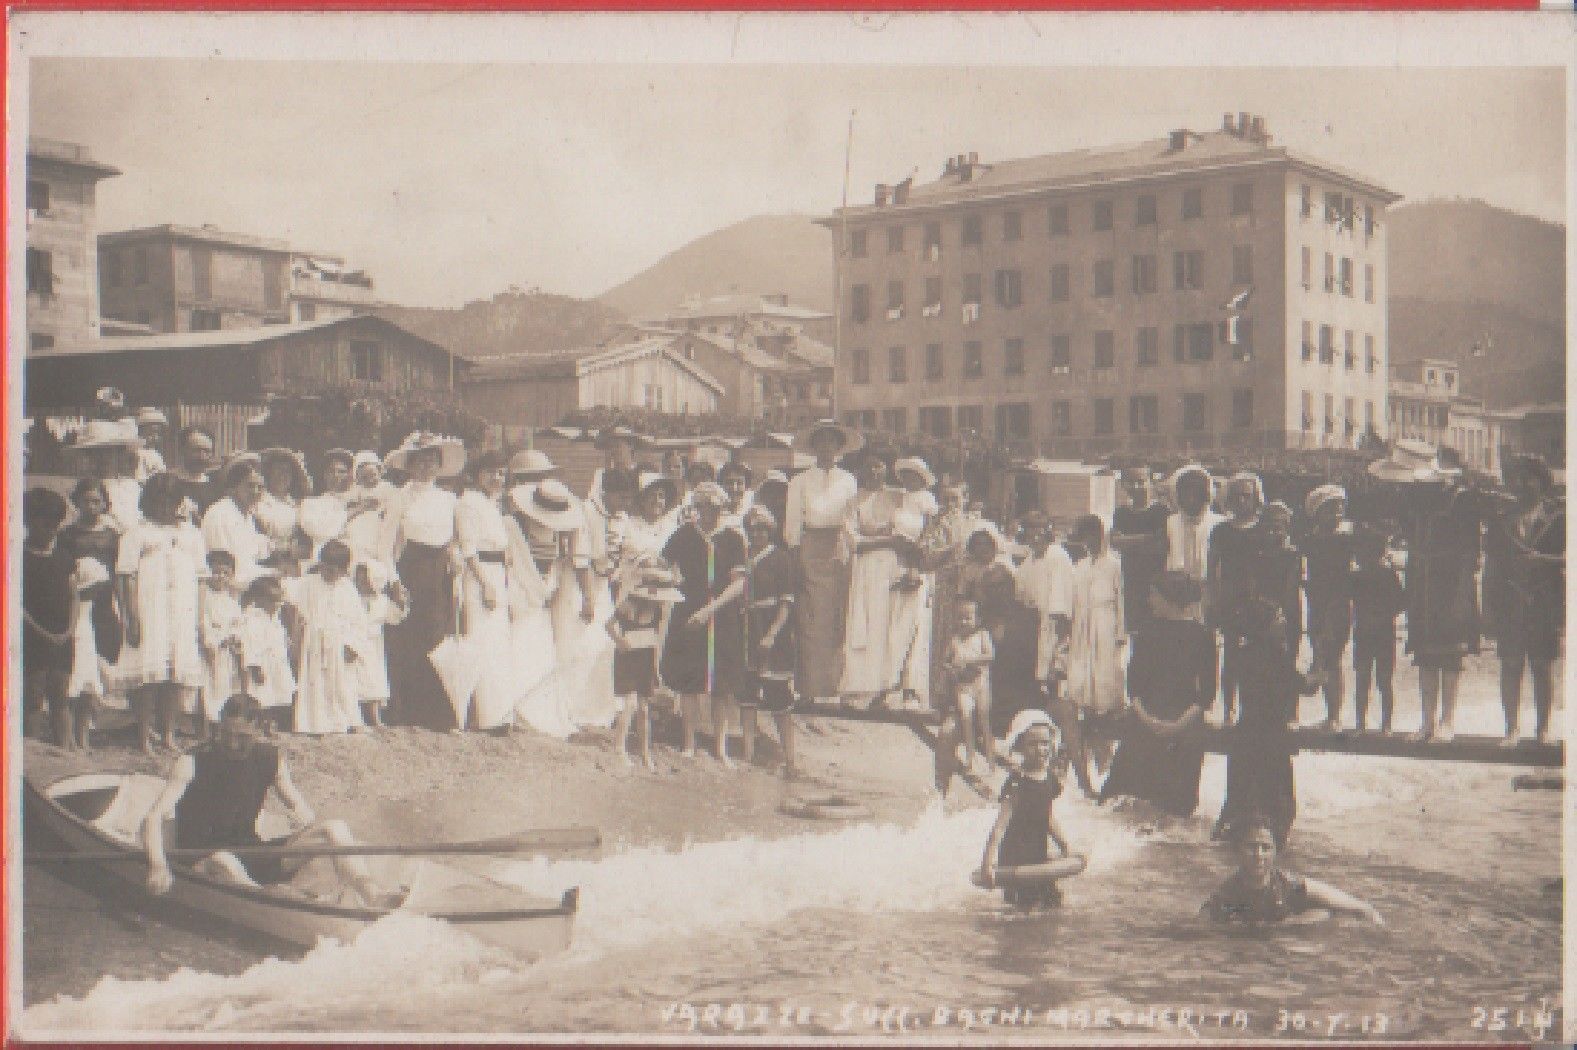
{"x": 874, "y": 931}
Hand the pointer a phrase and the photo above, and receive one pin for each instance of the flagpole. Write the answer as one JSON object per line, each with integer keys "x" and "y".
{"x": 837, "y": 267}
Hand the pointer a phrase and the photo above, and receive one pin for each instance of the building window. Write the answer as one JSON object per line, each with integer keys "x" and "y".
{"x": 309, "y": 312}
{"x": 1061, "y": 355}
{"x": 969, "y": 234}
{"x": 897, "y": 365}
{"x": 1193, "y": 204}
{"x": 1061, "y": 418}
{"x": 895, "y": 420}
{"x": 1144, "y": 414}
{"x": 40, "y": 273}
{"x": 39, "y": 341}
{"x": 1013, "y": 357}
{"x": 1308, "y": 340}
{"x": 1330, "y": 413}
{"x": 1148, "y": 343}
{"x": 1368, "y": 416}
{"x": 1349, "y": 351}
{"x": 202, "y": 272}
{"x": 1009, "y": 288}
{"x": 1369, "y": 362}
{"x": 1305, "y": 201}
{"x": 1194, "y": 412}
{"x": 1349, "y": 417}
{"x": 1346, "y": 275}
{"x": 894, "y": 240}
{"x": 894, "y": 300}
{"x": 1368, "y": 221}
{"x": 139, "y": 266}
{"x": 933, "y": 298}
{"x": 1243, "y": 198}
{"x": 971, "y": 419}
{"x": 974, "y": 361}
{"x": 1145, "y": 274}
{"x": 860, "y": 303}
{"x": 206, "y": 320}
{"x": 1308, "y": 410}
{"x": 1368, "y": 282}
{"x": 933, "y": 361}
{"x": 1330, "y": 272}
{"x": 1013, "y": 421}
{"x": 1327, "y": 345}
{"x": 1240, "y": 337}
{"x": 1103, "y": 279}
{"x": 936, "y": 421}
{"x": 1012, "y": 225}
{"x": 37, "y": 196}
{"x": 109, "y": 263}
{"x": 1057, "y": 220}
{"x": 1242, "y": 408}
{"x": 1242, "y": 264}
{"x": 1103, "y": 350}
{"x": 972, "y": 289}
{"x": 1193, "y": 342}
{"x": 857, "y": 247}
{"x": 1306, "y": 270}
{"x": 1144, "y": 210}
{"x": 366, "y": 362}
{"x": 1059, "y": 283}
{"x": 933, "y": 241}
{"x": 859, "y": 366}
{"x": 1104, "y": 415}
{"x": 1188, "y": 270}
{"x": 1101, "y": 216}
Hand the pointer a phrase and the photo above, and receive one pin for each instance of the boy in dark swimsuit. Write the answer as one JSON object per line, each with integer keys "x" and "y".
{"x": 1260, "y": 892}
{"x": 1026, "y": 824}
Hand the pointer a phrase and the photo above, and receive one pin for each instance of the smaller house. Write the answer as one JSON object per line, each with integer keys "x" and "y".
{"x": 1427, "y": 404}
{"x": 62, "y": 262}
{"x": 654, "y": 373}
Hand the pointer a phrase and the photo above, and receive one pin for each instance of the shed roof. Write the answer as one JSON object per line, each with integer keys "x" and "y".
{"x": 569, "y": 364}
{"x": 225, "y": 337}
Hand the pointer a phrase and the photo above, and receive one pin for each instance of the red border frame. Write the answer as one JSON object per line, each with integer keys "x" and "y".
{"x": 10, "y": 707}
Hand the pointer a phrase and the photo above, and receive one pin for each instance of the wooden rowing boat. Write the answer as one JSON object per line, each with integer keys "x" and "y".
{"x": 103, "y": 812}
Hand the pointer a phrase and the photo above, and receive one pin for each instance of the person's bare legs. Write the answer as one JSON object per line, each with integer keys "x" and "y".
{"x": 747, "y": 734}
{"x": 724, "y": 714}
{"x": 144, "y": 699}
{"x": 1511, "y": 694}
{"x": 1543, "y": 674}
{"x": 785, "y": 724}
{"x": 689, "y": 715}
{"x": 1449, "y": 681}
{"x": 351, "y": 870}
{"x": 621, "y": 726}
{"x": 1429, "y": 697}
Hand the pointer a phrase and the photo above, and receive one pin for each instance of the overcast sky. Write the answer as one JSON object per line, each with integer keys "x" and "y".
{"x": 451, "y": 183}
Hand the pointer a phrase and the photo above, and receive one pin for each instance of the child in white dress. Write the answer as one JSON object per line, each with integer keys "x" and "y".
{"x": 384, "y": 603}
{"x": 332, "y": 630}
{"x": 265, "y": 650}
{"x": 85, "y": 683}
{"x": 220, "y": 634}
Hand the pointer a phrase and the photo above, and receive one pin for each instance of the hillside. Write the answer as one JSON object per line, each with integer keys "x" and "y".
{"x": 512, "y": 322}
{"x": 765, "y": 253}
{"x": 1464, "y": 272}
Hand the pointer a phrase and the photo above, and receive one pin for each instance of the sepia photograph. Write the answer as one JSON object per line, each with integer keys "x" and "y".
{"x": 992, "y": 528}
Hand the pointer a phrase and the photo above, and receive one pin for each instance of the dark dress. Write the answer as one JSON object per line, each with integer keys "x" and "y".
{"x": 102, "y": 545}
{"x": 1026, "y": 840}
{"x": 417, "y": 696}
{"x": 221, "y": 805}
{"x": 204, "y": 491}
{"x": 1236, "y": 901}
{"x": 1440, "y": 592}
{"x": 1141, "y": 563}
{"x": 1281, "y": 580}
{"x": 46, "y": 597}
{"x": 1524, "y": 599}
{"x": 773, "y": 582}
{"x": 1328, "y": 558}
{"x": 707, "y": 659}
{"x": 635, "y": 669}
{"x": 1173, "y": 668}
{"x": 1259, "y": 758}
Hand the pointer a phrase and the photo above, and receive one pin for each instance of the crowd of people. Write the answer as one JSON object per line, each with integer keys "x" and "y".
{"x": 428, "y": 587}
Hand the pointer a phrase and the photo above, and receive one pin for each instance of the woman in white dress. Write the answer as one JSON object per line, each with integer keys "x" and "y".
{"x": 1096, "y": 668}
{"x": 327, "y": 697}
{"x": 484, "y": 594}
{"x": 369, "y": 494}
{"x": 910, "y": 648}
{"x": 324, "y": 517}
{"x": 285, "y": 484}
{"x": 160, "y": 561}
{"x": 868, "y": 665}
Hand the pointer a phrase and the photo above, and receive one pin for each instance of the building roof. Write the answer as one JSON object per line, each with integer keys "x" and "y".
{"x": 68, "y": 154}
{"x": 227, "y": 337}
{"x": 571, "y": 364}
{"x": 207, "y": 234}
{"x": 1153, "y": 158}
{"x": 744, "y": 304}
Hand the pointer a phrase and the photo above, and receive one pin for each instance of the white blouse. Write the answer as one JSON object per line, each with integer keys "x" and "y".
{"x": 422, "y": 515}
{"x": 479, "y": 524}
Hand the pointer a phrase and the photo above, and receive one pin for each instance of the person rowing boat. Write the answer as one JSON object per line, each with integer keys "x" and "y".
{"x": 216, "y": 792}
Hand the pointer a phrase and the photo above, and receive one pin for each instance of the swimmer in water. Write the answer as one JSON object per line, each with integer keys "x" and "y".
{"x": 1262, "y": 893}
{"x": 1025, "y": 823}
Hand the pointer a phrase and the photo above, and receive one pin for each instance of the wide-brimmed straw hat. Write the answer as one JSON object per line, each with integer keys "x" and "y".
{"x": 648, "y": 478}
{"x": 301, "y": 480}
{"x": 710, "y": 493}
{"x": 608, "y": 435}
{"x": 1410, "y": 460}
{"x": 1322, "y": 495}
{"x": 914, "y": 465}
{"x": 148, "y": 416}
{"x": 656, "y": 580}
{"x": 108, "y": 433}
{"x": 451, "y": 452}
{"x": 549, "y": 503}
{"x": 852, "y": 440}
{"x": 530, "y": 462}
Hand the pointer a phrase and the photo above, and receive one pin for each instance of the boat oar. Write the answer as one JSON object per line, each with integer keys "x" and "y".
{"x": 542, "y": 840}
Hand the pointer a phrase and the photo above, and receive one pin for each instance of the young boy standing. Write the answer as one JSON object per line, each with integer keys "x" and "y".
{"x": 1377, "y": 599}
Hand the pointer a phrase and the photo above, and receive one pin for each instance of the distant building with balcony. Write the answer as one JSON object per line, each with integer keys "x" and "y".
{"x": 1426, "y": 403}
{"x": 62, "y": 260}
{"x": 200, "y": 278}
{"x": 1193, "y": 292}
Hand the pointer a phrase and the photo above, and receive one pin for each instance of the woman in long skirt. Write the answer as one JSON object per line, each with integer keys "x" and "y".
{"x": 420, "y": 526}
{"x": 943, "y": 553}
{"x": 484, "y": 593}
{"x": 1096, "y": 635}
{"x": 910, "y": 649}
{"x": 868, "y": 666}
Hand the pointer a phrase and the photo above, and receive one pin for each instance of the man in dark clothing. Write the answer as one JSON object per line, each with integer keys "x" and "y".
{"x": 46, "y": 608}
{"x": 215, "y": 794}
{"x": 1139, "y": 537}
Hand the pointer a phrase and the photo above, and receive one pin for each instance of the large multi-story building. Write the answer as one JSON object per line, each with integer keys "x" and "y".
{"x": 62, "y": 260}
{"x": 196, "y": 279}
{"x": 1427, "y": 403}
{"x": 1199, "y": 291}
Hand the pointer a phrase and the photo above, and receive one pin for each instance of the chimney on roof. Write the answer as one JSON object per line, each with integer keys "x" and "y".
{"x": 974, "y": 158}
{"x": 950, "y": 168}
{"x": 881, "y": 194}
{"x": 1178, "y": 140}
{"x": 1227, "y": 124}
{"x": 1245, "y": 124}
{"x": 1259, "y": 131}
